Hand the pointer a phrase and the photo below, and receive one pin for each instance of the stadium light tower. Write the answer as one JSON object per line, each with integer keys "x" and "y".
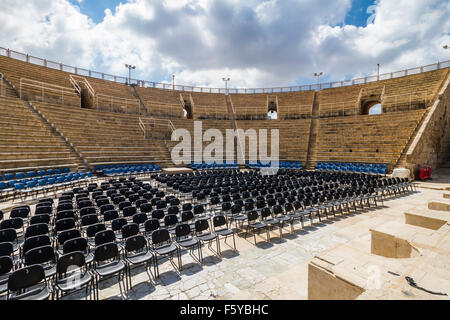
{"x": 226, "y": 83}
{"x": 378, "y": 73}
{"x": 318, "y": 77}
{"x": 173, "y": 82}
{"x": 129, "y": 67}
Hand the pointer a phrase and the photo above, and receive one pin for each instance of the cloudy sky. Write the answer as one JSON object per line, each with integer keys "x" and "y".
{"x": 257, "y": 43}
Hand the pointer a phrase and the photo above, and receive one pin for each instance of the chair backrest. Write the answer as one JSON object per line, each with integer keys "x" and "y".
{"x": 105, "y": 236}
{"x": 67, "y": 235}
{"x": 64, "y": 224}
{"x": 66, "y": 214}
{"x": 151, "y": 225}
{"x": 87, "y": 210}
{"x": 182, "y": 230}
{"x": 12, "y": 223}
{"x": 70, "y": 259}
{"x": 20, "y": 212}
{"x": 187, "y": 216}
{"x": 186, "y": 206}
{"x": 89, "y": 219}
{"x": 41, "y": 218}
{"x": 35, "y": 242}
{"x": 110, "y": 215}
{"x": 252, "y": 216}
{"x": 135, "y": 243}
{"x": 6, "y": 249}
{"x": 36, "y": 230}
{"x": 40, "y": 255}
{"x": 201, "y": 225}
{"x": 170, "y": 220}
{"x": 219, "y": 221}
{"x": 26, "y": 277}
{"x": 44, "y": 208}
{"x": 160, "y": 236}
{"x": 76, "y": 244}
{"x": 129, "y": 211}
{"x": 265, "y": 212}
{"x": 107, "y": 251}
{"x": 92, "y": 230}
{"x": 277, "y": 209}
{"x": 130, "y": 230}
{"x": 6, "y": 264}
{"x": 106, "y": 207}
{"x": 8, "y": 235}
{"x": 158, "y": 214}
{"x": 145, "y": 207}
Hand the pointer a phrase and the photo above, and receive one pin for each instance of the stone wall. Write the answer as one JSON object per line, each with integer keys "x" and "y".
{"x": 431, "y": 146}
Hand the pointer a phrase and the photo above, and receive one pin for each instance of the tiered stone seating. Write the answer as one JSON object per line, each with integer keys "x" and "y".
{"x": 221, "y": 125}
{"x": 56, "y": 83}
{"x": 364, "y": 138}
{"x": 338, "y": 101}
{"x": 412, "y": 92}
{"x": 293, "y": 135}
{"x": 114, "y": 97}
{"x": 295, "y": 105}
{"x": 161, "y": 103}
{"x": 106, "y": 138}
{"x": 209, "y": 105}
{"x": 26, "y": 143}
{"x": 249, "y": 106}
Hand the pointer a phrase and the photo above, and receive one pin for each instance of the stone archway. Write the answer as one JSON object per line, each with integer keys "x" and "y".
{"x": 371, "y": 107}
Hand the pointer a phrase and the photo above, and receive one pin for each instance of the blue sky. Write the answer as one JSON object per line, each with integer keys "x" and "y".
{"x": 257, "y": 43}
{"x": 95, "y": 9}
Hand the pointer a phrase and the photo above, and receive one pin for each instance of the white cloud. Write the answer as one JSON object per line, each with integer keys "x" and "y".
{"x": 256, "y": 43}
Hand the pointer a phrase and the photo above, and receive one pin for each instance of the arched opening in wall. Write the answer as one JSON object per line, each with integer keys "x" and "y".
{"x": 371, "y": 108}
{"x": 187, "y": 110}
{"x": 272, "y": 113}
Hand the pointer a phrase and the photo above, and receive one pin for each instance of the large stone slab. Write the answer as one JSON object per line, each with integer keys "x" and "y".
{"x": 398, "y": 240}
{"x": 429, "y": 219}
{"x": 441, "y": 205}
{"x": 401, "y": 173}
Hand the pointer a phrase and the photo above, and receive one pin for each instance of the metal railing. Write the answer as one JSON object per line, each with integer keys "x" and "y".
{"x": 338, "y": 108}
{"x": 405, "y": 101}
{"x": 117, "y": 104}
{"x": 44, "y": 88}
{"x": 153, "y": 123}
{"x": 73, "y": 80}
{"x": 168, "y": 86}
{"x": 295, "y": 111}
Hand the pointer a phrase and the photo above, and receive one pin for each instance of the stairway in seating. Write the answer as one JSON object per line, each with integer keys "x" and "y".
{"x": 401, "y": 161}
{"x": 144, "y": 109}
{"x": 313, "y": 134}
{"x": 232, "y": 116}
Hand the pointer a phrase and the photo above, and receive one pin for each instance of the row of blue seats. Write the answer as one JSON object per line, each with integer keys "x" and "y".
{"x": 140, "y": 169}
{"x": 127, "y": 165}
{"x": 353, "y": 167}
{"x": 30, "y": 183}
{"x": 33, "y": 174}
{"x": 282, "y": 165}
{"x": 214, "y": 165}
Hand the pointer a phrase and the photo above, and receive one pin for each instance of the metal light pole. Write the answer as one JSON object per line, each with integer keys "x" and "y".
{"x": 226, "y": 84}
{"x": 318, "y": 77}
{"x": 378, "y": 73}
{"x": 173, "y": 82}
{"x": 129, "y": 67}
